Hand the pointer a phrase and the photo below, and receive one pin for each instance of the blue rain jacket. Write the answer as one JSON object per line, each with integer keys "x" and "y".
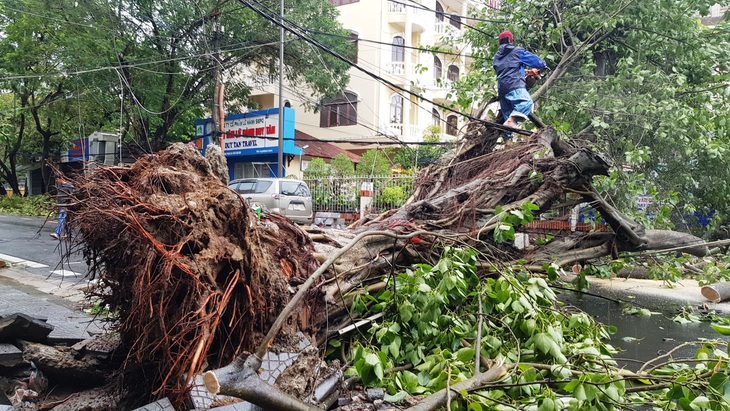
{"x": 509, "y": 64}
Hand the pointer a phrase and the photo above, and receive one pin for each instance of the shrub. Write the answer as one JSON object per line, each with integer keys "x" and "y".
{"x": 40, "y": 205}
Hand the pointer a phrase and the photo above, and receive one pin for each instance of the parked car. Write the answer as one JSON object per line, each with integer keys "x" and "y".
{"x": 291, "y": 198}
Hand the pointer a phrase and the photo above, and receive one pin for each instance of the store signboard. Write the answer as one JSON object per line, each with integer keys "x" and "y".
{"x": 253, "y": 133}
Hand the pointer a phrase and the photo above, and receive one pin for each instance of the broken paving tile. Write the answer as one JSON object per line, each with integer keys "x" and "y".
{"x": 274, "y": 364}
{"x": 24, "y": 327}
{"x": 159, "y": 405}
{"x": 100, "y": 345}
{"x": 10, "y": 356}
{"x": 202, "y": 398}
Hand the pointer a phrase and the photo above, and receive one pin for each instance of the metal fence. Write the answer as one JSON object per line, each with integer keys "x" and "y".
{"x": 342, "y": 194}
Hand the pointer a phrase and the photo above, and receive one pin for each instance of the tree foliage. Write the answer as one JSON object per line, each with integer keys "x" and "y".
{"x": 375, "y": 162}
{"x": 437, "y": 319}
{"x": 643, "y": 82}
{"x": 148, "y": 67}
{"x": 422, "y": 155}
{"x": 46, "y": 104}
{"x": 317, "y": 169}
{"x": 342, "y": 166}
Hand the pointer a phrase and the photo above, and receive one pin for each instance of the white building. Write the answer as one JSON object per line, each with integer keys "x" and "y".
{"x": 389, "y": 34}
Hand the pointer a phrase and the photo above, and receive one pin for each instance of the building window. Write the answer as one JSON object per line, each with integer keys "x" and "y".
{"x": 247, "y": 170}
{"x": 453, "y": 73}
{"x": 399, "y": 51}
{"x": 452, "y": 125}
{"x": 340, "y": 111}
{"x": 455, "y": 21}
{"x": 438, "y": 69}
{"x": 354, "y": 39}
{"x": 436, "y": 117}
{"x": 396, "y": 109}
{"x": 439, "y": 13}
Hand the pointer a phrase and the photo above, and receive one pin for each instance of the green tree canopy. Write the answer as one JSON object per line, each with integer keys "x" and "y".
{"x": 342, "y": 166}
{"x": 375, "y": 162}
{"x": 317, "y": 169}
{"x": 642, "y": 82}
{"x": 148, "y": 67}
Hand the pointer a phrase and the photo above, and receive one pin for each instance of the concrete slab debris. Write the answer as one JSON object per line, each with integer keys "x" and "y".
{"x": 10, "y": 355}
{"x": 159, "y": 405}
{"x": 69, "y": 326}
{"x": 100, "y": 345}
{"x": 23, "y": 327}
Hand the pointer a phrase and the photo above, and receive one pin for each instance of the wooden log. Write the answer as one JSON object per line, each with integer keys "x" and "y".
{"x": 716, "y": 292}
{"x": 239, "y": 379}
{"x": 59, "y": 364}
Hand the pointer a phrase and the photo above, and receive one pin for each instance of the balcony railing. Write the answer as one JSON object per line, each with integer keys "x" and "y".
{"x": 396, "y": 7}
{"x": 397, "y": 68}
{"x": 439, "y": 27}
{"x": 395, "y": 129}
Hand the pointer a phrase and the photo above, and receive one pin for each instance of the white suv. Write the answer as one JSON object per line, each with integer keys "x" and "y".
{"x": 291, "y": 198}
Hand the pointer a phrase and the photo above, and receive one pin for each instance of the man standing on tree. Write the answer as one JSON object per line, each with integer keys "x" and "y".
{"x": 509, "y": 64}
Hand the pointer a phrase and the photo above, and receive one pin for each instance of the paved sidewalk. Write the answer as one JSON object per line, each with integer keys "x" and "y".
{"x": 53, "y": 300}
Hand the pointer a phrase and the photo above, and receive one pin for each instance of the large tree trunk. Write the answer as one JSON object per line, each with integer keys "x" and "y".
{"x": 198, "y": 279}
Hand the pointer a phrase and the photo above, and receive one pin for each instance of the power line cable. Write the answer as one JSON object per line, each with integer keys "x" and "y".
{"x": 387, "y": 124}
{"x": 373, "y": 75}
{"x": 420, "y": 6}
{"x": 129, "y": 65}
{"x": 425, "y": 50}
{"x": 320, "y": 140}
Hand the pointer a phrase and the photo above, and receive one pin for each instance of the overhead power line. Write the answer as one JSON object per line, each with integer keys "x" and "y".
{"x": 425, "y": 50}
{"x": 420, "y": 6}
{"x": 295, "y": 30}
{"x": 356, "y": 142}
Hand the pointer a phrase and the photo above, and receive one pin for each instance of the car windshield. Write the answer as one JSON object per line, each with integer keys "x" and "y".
{"x": 253, "y": 186}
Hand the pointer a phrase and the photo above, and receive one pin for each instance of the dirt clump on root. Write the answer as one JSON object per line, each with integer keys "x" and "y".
{"x": 181, "y": 263}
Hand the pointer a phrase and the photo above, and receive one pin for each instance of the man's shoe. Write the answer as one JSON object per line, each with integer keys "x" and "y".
{"x": 54, "y": 235}
{"x": 512, "y": 124}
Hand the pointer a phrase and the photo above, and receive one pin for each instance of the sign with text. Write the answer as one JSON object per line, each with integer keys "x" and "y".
{"x": 643, "y": 202}
{"x": 254, "y": 133}
{"x": 78, "y": 150}
{"x": 242, "y": 133}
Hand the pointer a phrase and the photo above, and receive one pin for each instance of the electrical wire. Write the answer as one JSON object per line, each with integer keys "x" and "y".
{"x": 427, "y": 110}
{"x": 417, "y": 5}
{"x": 424, "y": 50}
{"x": 276, "y": 20}
{"x": 321, "y": 140}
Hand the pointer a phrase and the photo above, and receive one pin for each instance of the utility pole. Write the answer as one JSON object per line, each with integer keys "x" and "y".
{"x": 280, "y": 160}
{"x": 217, "y": 92}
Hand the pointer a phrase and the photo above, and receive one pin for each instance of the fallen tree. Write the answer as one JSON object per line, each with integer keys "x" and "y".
{"x": 197, "y": 280}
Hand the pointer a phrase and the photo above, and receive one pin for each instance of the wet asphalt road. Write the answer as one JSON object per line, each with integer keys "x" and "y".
{"x": 25, "y": 241}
